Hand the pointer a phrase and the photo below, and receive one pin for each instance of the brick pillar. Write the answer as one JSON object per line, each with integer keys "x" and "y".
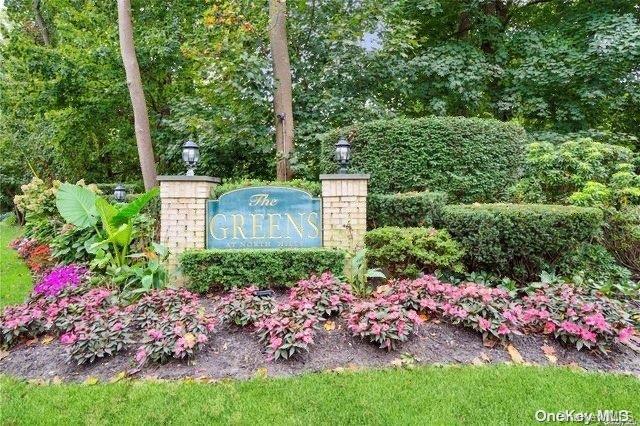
{"x": 344, "y": 210}
{"x": 182, "y": 212}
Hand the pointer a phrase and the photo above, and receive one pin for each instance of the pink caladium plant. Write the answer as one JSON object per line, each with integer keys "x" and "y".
{"x": 383, "y": 321}
{"x": 242, "y": 307}
{"x": 289, "y": 330}
{"x": 576, "y": 317}
{"x": 327, "y": 294}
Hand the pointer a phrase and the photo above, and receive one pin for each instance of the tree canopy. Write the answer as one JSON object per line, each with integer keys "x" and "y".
{"x": 560, "y": 66}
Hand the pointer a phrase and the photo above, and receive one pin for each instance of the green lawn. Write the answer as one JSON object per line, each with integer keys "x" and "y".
{"x": 15, "y": 280}
{"x": 427, "y": 395}
{"x": 430, "y": 395}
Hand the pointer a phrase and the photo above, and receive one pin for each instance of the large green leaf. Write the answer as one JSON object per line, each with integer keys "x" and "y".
{"x": 107, "y": 213}
{"x": 133, "y": 208}
{"x": 77, "y": 205}
{"x": 122, "y": 236}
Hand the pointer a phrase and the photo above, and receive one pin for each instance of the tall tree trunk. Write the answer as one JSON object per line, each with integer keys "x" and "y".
{"x": 282, "y": 99}
{"x": 134, "y": 82}
{"x": 41, "y": 24}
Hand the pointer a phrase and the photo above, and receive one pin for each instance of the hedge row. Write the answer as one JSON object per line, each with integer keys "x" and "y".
{"x": 518, "y": 240}
{"x": 471, "y": 159}
{"x": 226, "y": 269}
{"x": 405, "y": 210}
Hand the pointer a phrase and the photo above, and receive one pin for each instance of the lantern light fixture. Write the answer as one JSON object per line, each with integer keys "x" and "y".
{"x": 343, "y": 154}
{"x": 190, "y": 156}
{"x": 120, "y": 193}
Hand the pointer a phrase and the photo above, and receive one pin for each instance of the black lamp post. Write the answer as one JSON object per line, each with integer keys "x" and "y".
{"x": 190, "y": 155}
{"x": 343, "y": 154}
{"x": 120, "y": 193}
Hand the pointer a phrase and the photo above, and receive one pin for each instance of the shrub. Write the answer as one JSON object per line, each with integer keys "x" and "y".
{"x": 242, "y": 306}
{"x": 576, "y": 317}
{"x": 405, "y": 210}
{"x": 592, "y": 266}
{"x": 326, "y": 293}
{"x": 622, "y": 237}
{"x": 70, "y": 245}
{"x": 519, "y": 240}
{"x": 60, "y": 278}
{"x": 311, "y": 187}
{"x": 226, "y": 269}
{"x": 553, "y": 173}
{"x": 409, "y": 251}
{"x": 382, "y": 321}
{"x": 471, "y": 159}
{"x": 289, "y": 329}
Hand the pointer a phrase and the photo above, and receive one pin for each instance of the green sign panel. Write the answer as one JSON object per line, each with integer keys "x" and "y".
{"x": 264, "y": 217}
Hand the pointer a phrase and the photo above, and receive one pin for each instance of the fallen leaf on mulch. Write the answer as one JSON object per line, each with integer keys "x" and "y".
{"x": 485, "y": 357}
{"x": 489, "y": 343}
{"x": 261, "y": 373}
{"x": 515, "y": 354}
{"x": 91, "y": 380}
{"x": 477, "y": 361}
{"x": 3, "y": 354}
{"x": 56, "y": 380}
{"x": 329, "y": 325}
{"x": 31, "y": 342}
{"x": 424, "y": 317}
{"x": 47, "y": 339}
{"x": 550, "y": 353}
{"x": 121, "y": 375}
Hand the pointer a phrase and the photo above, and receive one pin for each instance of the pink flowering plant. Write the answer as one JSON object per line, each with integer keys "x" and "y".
{"x": 577, "y": 318}
{"x": 289, "y": 329}
{"x": 97, "y": 335}
{"x": 383, "y": 320}
{"x": 60, "y": 278}
{"x": 24, "y": 246}
{"x": 471, "y": 305}
{"x": 327, "y": 294}
{"x": 23, "y": 321}
{"x": 174, "y": 325}
{"x": 242, "y": 307}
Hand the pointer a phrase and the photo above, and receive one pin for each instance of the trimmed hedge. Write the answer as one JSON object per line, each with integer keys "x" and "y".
{"x": 409, "y": 209}
{"x": 226, "y": 269}
{"x": 405, "y": 252}
{"x": 311, "y": 187}
{"x": 518, "y": 240}
{"x": 471, "y": 159}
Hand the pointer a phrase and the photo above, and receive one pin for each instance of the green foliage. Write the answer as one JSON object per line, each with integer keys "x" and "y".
{"x": 519, "y": 240}
{"x": 406, "y": 252}
{"x": 77, "y": 205}
{"x": 359, "y": 274}
{"x": 591, "y": 265}
{"x": 554, "y": 172}
{"x": 469, "y": 159}
{"x": 311, "y": 187}
{"x": 622, "y": 237}
{"x": 405, "y": 209}
{"x": 70, "y": 244}
{"x": 226, "y": 269}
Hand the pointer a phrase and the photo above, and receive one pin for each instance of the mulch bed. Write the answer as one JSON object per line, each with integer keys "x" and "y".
{"x": 236, "y": 353}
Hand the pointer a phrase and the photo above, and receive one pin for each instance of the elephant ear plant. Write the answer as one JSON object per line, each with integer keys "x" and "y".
{"x": 115, "y": 231}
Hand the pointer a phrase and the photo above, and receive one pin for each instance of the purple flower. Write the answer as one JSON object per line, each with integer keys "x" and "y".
{"x": 60, "y": 278}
